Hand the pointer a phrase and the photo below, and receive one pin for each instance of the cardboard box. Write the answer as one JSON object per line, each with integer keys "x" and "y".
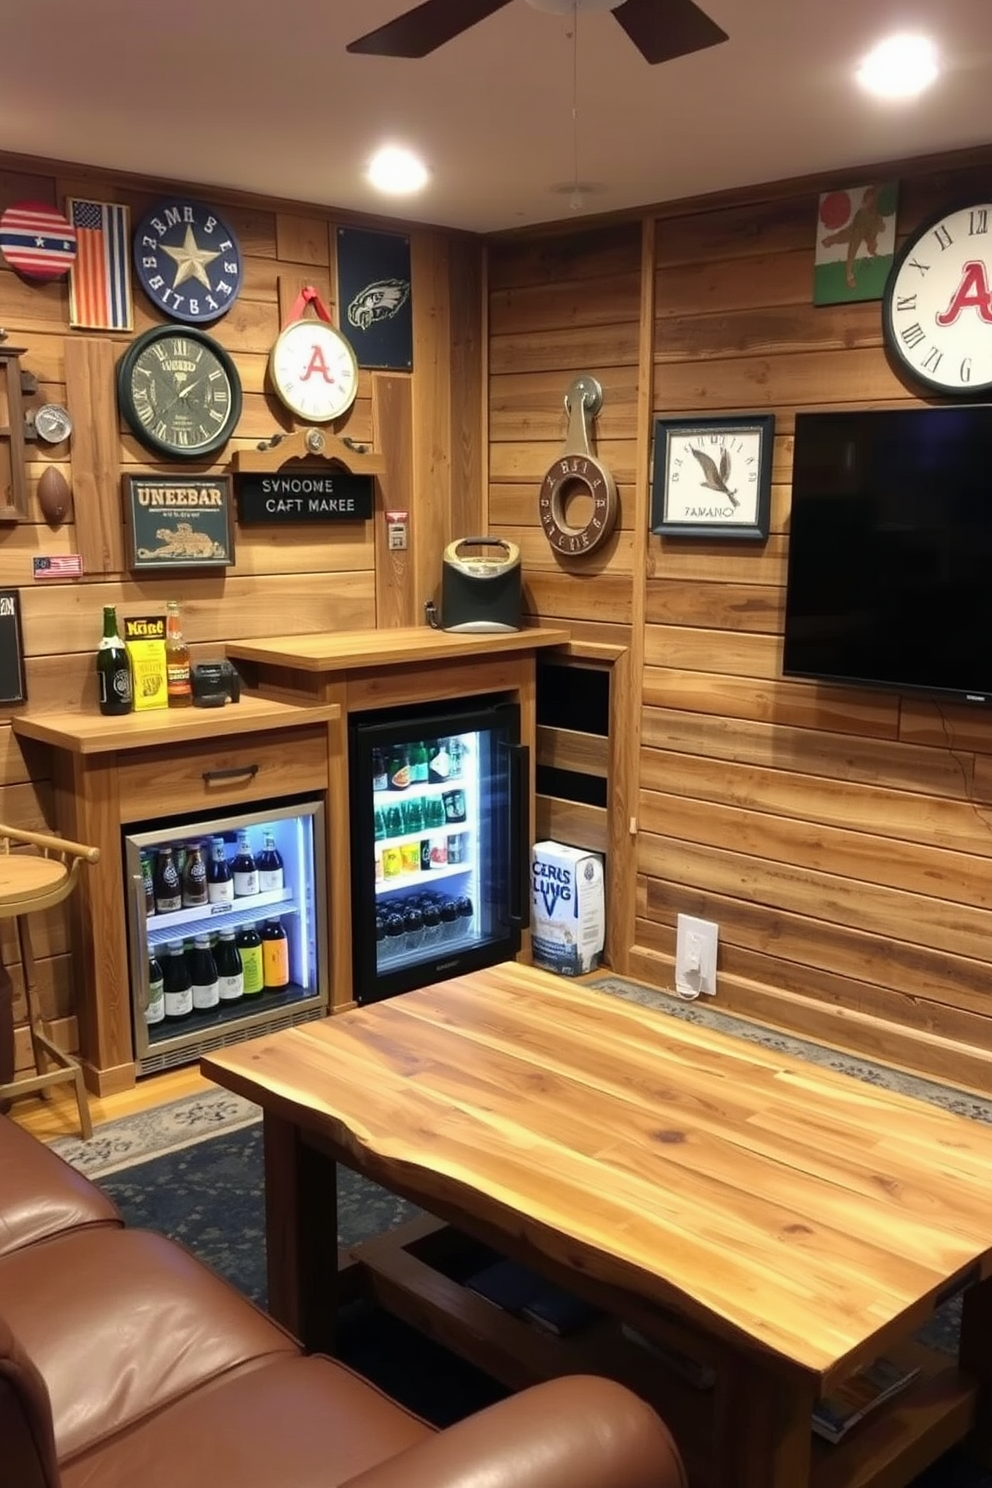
{"x": 144, "y": 637}
{"x": 568, "y": 920}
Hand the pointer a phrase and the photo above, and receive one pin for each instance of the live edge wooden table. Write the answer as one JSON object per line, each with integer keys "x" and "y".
{"x": 772, "y": 1221}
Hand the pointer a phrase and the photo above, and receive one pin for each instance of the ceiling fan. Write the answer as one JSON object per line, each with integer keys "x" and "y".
{"x": 660, "y": 29}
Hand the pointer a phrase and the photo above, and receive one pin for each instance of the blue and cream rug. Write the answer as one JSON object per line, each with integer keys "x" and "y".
{"x": 193, "y": 1170}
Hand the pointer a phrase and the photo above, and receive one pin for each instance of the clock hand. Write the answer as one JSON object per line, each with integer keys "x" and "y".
{"x": 185, "y": 392}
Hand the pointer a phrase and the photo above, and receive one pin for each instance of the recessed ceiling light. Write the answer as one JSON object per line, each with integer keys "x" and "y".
{"x": 397, "y": 171}
{"x": 899, "y": 67}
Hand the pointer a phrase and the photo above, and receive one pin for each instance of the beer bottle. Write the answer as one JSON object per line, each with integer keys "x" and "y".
{"x": 230, "y": 973}
{"x": 178, "y": 683}
{"x": 166, "y": 883}
{"x": 154, "y": 1008}
{"x": 178, "y": 989}
{"x": 220, "y": 884}
{"x": 113, "y": 669}
{"x": 380, "y": 775}
{"x": 244, "y": 867}
{"x": 418, "y": 764}
{"x": 146, "y": 878}
{"x": 203, "y": 975}
{"x": 249, "y": 944}
{"x": 399, "y": 767}
{"x": 270, "y": 874}
{"x": 195, "y": 878}
{"x": 275, "y": 956}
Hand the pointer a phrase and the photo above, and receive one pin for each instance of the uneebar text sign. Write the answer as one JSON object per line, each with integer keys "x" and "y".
{"x": 303, "y": 496}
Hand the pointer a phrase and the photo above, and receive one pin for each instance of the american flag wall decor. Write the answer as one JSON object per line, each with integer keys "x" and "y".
{"x": 100, "y": 280}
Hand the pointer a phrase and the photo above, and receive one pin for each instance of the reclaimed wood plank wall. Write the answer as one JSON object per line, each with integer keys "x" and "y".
{"x": 840, "y": 838}
{"x": 290, "y": 580}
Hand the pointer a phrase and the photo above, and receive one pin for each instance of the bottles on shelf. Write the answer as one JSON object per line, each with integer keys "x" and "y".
{"x": 177, "y": 985}
{"x": 177, "y": 668}
{"x": 167, "y": 885}
{"x": 275, "y": 956}
{"x": 154, "y": 1008}
{"x": 270, "y": 869}
{"x": 220, "y": 880}
{"x": 244, "y": 868}
{"x": 113, "y": 669}
{"x": 380, "y": 773}
{"x": 203, "y": 975}
{"x": 230, "y": 972}
{"x": 195, "y": 878}
{"x": 249, "y": 944}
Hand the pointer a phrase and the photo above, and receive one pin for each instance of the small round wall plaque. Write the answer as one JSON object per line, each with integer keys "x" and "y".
{"x": 578, "y": 474}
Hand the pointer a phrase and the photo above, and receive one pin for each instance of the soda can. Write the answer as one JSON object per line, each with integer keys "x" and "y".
{"x": 456, "y": 848}
{"x": 392, "y": 863}
{"x": 410, "y": 857}
{"x": 454, "y": 805}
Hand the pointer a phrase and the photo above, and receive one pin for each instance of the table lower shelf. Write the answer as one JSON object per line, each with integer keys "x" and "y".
{"x": 418, "y": 1272}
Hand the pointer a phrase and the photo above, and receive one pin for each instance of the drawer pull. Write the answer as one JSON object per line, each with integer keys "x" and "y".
{"x": 211, "y": 775}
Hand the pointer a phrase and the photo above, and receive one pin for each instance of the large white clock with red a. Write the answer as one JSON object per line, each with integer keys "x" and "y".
{"x": 314, "y": 370}
{"x": 937, "y": 312}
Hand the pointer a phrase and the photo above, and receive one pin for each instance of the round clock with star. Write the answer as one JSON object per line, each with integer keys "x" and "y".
{"x": 188, "y": 260}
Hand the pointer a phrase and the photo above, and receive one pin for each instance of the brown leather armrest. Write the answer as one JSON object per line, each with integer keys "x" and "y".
{"x": 577, "y": 1432}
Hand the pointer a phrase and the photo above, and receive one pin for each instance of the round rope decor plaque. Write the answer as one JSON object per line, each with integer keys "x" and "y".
{"x": 578, "y": 474}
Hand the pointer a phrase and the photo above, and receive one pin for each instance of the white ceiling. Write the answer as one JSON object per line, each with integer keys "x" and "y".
{"x": 261, "y": 95}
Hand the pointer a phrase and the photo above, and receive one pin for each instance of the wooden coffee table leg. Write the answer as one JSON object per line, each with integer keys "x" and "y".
{"x": 301, "y": 1234}
{"x": 975, "y": 1356}
{"x": 767, "y": 1434}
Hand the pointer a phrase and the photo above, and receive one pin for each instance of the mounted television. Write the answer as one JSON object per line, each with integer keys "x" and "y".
{"x": 890, "y": 550}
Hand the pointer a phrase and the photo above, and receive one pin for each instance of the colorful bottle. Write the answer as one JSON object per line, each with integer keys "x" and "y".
{"x": 275, "y": 956}
{"x": 220, "y": 881}
{"x": 178, "y": 683}
{"x": 418, "y": 764}
{"x": 380, "y": 774}
{"x": 249, "y": 944}
{"x": 244, "y": 868}
{"x": 270, "y": 871}
{"x": 113, "y": 669}
{"x": 399, "y": 767}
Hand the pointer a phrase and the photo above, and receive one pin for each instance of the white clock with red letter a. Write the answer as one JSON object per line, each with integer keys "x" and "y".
{"x": 937, "y": 313}
{"x": 314, "y": 371}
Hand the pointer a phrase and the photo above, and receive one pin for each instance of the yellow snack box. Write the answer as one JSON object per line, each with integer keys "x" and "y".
{"x": 144, "y": 637}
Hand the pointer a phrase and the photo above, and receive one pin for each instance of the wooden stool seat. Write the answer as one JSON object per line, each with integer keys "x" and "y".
{"x": 30, "y": 881}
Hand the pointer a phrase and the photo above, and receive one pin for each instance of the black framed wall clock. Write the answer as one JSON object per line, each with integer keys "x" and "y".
{"x": 179, "y": 392}
{"x": 712, "y": 476}
{"x": 937, "y": 309}
{"x": 188, "y": 260}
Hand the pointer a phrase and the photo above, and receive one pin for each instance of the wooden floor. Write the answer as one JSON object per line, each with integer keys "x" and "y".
{"x": 58, "y": 1117}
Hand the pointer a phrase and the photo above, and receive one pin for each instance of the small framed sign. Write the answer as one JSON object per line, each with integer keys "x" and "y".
{"x": 12, "y": 685}
{"x": 300, "y": 494}
{"x": 712, "y": 476}
{"x": 179, "y": 521}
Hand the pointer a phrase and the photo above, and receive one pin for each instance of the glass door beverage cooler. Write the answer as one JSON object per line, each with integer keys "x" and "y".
{"x": 439, "y": 835}
{"x": 227, "y": 928}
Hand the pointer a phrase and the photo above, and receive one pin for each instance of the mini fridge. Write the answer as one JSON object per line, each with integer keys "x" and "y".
{"x": 293, "y": 897}
{"x": 440, "y": 832}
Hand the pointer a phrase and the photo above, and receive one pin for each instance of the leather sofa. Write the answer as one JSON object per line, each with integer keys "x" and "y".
{"x": 126, "y": 1363}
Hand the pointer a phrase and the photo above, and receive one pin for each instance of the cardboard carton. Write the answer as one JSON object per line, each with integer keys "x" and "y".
{"x": 568, "y": 921}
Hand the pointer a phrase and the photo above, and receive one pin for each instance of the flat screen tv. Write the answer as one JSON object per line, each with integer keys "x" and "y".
{"x": 890, "y": 550}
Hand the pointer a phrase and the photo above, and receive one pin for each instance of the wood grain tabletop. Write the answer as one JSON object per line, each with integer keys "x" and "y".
{"x": 778, "y": 1203}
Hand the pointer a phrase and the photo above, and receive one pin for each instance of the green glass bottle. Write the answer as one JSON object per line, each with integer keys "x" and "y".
{"x": 113, "y": 670}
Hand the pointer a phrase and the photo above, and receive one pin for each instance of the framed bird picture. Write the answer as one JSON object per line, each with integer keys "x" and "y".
{"x": 712, "y": 477}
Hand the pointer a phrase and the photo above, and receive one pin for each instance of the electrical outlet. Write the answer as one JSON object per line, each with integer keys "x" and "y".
{"x": 695, "y": 956}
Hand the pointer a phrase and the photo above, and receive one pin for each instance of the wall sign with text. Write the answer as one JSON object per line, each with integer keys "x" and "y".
{"x": 12, "y": 685}
{"x": 301, "y": 495}
{"x": 179, "y": 522}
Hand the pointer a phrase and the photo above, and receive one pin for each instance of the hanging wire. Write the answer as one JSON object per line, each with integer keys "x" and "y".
{"x": 575, "y": 201}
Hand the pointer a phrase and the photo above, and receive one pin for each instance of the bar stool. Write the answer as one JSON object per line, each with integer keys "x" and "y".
{"x": 31, "y": 881}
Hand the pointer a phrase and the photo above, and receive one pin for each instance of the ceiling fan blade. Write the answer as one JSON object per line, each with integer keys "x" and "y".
{"x": 664, "y": 29}
{"x": 425, "y": 28}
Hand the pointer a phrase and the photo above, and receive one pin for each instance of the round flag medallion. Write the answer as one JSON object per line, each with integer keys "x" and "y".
{"x": 37, "y": 240}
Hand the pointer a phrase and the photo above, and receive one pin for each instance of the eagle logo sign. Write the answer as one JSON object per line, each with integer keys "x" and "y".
{"x": 378, "y": 301}
{"x": 715, "y": 477}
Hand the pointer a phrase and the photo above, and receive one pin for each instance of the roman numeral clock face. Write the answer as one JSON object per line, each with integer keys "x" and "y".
{"x": 937, "y": 314}
{"x": 179, "y": 392}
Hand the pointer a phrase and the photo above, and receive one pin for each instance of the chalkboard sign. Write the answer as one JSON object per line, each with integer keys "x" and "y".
{"x": 12, "y": 688}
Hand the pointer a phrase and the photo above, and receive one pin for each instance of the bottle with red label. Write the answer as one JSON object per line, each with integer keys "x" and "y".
{"x": 179, "y": 685}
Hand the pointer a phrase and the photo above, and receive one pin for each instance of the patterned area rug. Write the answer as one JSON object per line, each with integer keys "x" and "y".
{"x": 193, "y": 1170}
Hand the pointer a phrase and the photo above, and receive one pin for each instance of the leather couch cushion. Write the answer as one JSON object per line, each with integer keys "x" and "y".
{"x": 40, "y": 1195}
{"x": 303, "y": 1422}
{"x": 121, "y": 1322}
